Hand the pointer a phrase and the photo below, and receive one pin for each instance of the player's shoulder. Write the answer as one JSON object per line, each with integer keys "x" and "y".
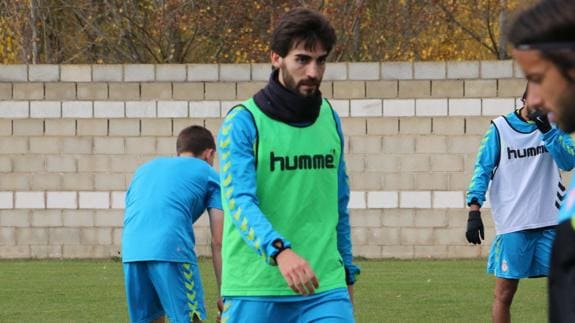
{"x": 329, "y": 108}
{"x": 239, "y": 117}
{"x": 239, "y": 126}
{"x": 507, "y": 120}
{"x": 503, "y": 118}
{"x": 327, "y": 104}
{"x": 178, "y": 164}
{"x": 191, "y": 169}
{"x": 150, "y": 164}
{"x": 194, "y": 164}
{"x": 238, "y": 111}
{"x": 213, "y": 177}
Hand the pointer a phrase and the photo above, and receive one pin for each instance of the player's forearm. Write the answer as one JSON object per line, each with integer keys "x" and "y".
{"x": 478, "y": 187}
{"x": 343, "y": 227}
{"x": 217, "y": 263}
{"x": 344, "y": 236}
{"x": 256, "y": 231}
{"x": 216, "y": 230}
{"x": 344, "y": 241}
{"x": 561, "y": 148}
{"x": 344, "y": 248}
{"x": 244, "y": 212}
{"x": 344, "y": 244}
{"x": 487, "y": 158}
{"x": 238, "y": 181}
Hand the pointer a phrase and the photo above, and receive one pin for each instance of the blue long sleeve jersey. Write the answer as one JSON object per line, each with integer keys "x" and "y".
{"x": 557, "y": 142}
{"x": 242, "y": 136}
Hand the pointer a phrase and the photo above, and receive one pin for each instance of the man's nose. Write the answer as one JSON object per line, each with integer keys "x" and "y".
{"x": 313, "y": 70}
{"x": 534, "y": 97}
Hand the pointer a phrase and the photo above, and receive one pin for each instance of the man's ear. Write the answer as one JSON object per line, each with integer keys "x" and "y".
{"x": 572, "y": 73}
{"x": 208, "y": 155}
{"x": 276, "y": 60}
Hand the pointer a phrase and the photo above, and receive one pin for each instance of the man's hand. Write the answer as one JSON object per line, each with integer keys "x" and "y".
{"x": 475, "y": 232}
{"x": 350, "y": 291}
{"x": 297, "y": 272}
{"x": 540, "y": 119}
{"x": 220, "y": 305}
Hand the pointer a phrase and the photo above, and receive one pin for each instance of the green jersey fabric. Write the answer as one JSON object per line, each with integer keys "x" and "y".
{"x": 297, "y": 190}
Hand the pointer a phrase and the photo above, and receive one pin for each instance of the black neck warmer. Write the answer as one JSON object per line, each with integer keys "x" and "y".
{"x": 283, "y": 105}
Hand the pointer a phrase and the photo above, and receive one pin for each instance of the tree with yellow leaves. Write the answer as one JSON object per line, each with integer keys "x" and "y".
{"x": 238, "y": 31}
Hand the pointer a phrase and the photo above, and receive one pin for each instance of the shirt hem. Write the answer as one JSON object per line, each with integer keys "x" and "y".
{"x": 527, "y": 227}
{"x": 236, "y": 292}
{"x": 158, "y": 259}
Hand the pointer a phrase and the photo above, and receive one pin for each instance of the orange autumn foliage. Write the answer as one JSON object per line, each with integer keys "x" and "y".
{"x": 238, "y": 31}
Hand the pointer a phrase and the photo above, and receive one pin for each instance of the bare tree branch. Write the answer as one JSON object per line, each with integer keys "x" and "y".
{"x": 489, "y": 27}
{"x": 470, "y": 32}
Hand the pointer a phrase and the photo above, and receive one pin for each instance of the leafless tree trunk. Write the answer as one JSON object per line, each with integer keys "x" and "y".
{"x": 356, "y": 28}
{"x": 502, "y": 23}
{"x": 33, "y": 29}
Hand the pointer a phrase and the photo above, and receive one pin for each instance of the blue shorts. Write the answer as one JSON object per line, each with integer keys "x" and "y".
{"x": 157, "y": 288}
{"x": 332, "y": 306}
{"x": 521, "y": 254}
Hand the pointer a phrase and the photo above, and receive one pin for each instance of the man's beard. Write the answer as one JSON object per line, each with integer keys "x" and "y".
{"x": 291, "y": 85}
{"x": 566, "y": 106}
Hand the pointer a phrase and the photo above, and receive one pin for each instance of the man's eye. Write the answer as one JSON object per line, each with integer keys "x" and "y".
{"x": 302, "y": 60}
{"x": 536, "y": 79}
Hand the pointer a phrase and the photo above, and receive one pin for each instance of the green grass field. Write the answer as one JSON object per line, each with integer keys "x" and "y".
{"x": 387, "y": 291}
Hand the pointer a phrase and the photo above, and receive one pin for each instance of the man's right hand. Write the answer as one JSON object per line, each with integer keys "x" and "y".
{"x": 220, "y": 305}
{"x": 475, "y": 232}
{"x": 297, "y": 272}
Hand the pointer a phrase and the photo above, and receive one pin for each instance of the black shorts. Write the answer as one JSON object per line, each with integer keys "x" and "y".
{"x": 562, "y": 275}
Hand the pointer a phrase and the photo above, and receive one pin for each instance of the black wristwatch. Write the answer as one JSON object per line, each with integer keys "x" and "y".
{"x": 279, "y": 245}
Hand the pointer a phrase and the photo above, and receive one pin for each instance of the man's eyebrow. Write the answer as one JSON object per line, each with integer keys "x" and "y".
{"x": 302, "y": 55}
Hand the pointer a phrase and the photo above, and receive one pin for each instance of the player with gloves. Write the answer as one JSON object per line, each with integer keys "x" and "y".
{"x": 521, "y": 155}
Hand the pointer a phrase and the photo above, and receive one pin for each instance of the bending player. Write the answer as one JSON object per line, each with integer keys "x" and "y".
{"x": 520, "y": 155}
{"x": 166, "y": 196}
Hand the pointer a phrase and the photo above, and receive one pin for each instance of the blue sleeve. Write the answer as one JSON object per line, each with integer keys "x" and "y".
{"x": 567, "y": 211}
{"x": 485, "y": 165}
{"x": 343, "y": 228}
{"x": 236, "y": 142}
{"x": 561, "y": 148}
{"x": 214, "y": 194}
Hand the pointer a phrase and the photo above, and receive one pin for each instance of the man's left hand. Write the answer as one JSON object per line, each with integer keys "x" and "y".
{"x": 540, "y": 119}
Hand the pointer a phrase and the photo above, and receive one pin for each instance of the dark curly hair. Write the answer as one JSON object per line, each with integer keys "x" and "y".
{"x": 549, "y": 27}
{"x": 302, "y": 25}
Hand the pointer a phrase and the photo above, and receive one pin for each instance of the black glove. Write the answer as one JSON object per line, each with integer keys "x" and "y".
{"x": 540, "y": 119}
{"x": 475, "y": 228}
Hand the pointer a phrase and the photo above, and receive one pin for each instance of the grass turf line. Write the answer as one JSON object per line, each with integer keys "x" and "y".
{"x": 387, "y": 291}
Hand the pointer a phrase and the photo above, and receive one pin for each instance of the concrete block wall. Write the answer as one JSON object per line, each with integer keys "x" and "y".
{"x": 72, "y": 135}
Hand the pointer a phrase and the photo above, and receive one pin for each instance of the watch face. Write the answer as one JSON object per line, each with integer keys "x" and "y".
{"x": 278, "y": 244}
